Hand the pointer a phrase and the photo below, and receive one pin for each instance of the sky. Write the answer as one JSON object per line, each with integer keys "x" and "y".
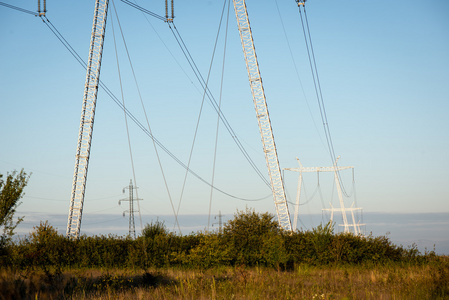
{"x": 384, "y": 74}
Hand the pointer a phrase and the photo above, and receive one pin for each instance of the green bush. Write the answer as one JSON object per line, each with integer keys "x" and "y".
{"x": 11, "y": 190}
{"x": 155, "y": 244}
{"x": 151, "y": 230}
{"x": 250, "y": 239}
{"x": 212, "y": 251}
{"x": 245, "y": 236}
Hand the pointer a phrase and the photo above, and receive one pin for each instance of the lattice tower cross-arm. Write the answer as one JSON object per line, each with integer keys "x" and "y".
{"x": 263, "y": 118}
{"x": 334, "y": 169}
{"x": 87, "y": 118}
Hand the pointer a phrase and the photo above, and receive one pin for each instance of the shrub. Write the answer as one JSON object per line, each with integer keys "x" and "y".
{"x": 43, "y": 248}
{"x": 156, "y": 241}
{"x": 11, "y": 191}
{"x": 212, "y": 251}
{"x": 250, "y": 239}
{"x": 245, "y": 236}
{"x": 151, "y": 230}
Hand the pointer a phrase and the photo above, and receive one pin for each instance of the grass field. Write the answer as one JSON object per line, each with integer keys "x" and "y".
{"x": 251, "y": 259}
{"x": 394, "y": 281}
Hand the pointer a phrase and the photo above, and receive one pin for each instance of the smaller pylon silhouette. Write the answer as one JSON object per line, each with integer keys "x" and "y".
{"x": 131, "y": 211}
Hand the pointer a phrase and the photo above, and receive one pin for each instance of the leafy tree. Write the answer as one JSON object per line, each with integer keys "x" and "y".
{"x": 11, "y": 190}
{"x": 150, "y": 231}
{"x": 45, "y": 245}
{"x": 249, "y": 221}
{"x": 156, "y": 237}
{"x": 44, "y": 233}
{"x": 212, "y": 251}
{"x": 247, "y": 234}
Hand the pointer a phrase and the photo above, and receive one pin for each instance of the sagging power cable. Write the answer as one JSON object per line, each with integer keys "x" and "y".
{"x": 214, "y": 103}
{"x": 318, "y": 90}
{"x": 19, "y": 9}
{"x": 297, "y": 71}
{"x": 148, "y": 124}
{"x": 125, "y": 117}
{"x": 144, "y": 10}
{"x": 202, "y": 82}
{"x": 201, "y": 108}
{"x": 132, "y": 117}
{"x": 219, "y": 106}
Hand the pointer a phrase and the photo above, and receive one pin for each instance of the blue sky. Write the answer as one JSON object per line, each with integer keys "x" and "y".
{"x": 384, "y": 72}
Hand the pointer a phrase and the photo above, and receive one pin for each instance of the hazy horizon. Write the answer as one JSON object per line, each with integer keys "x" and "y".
{"x": 423, "y": 229}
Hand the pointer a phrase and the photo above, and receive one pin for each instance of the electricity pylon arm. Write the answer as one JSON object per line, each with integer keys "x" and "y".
{"x": 263, "y": 118}
{"x": 335, "y": 169}
{"x": 87, "y": 118}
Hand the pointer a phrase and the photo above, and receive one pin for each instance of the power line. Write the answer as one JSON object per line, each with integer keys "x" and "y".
{"x": 296, "y": 70}
{"x": 318, "y": 90}
{"x": 149, "y": 129}
{"x": 199, "y": 77}
{"x": 214, "y": 103}
{"x": 134, "y": 119}
{"x": 19, "y": 9}
{"x": 144, "y": 10}
{"x": 219, "y": 106}
{"x": 123, "y": 101}
{"x": 201, "y": 108}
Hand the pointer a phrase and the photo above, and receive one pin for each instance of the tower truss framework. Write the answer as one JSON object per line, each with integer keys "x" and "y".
{"x": 87, "y": 118}
{"x": 334, "y": 169}
{"x": 263, "y": 117}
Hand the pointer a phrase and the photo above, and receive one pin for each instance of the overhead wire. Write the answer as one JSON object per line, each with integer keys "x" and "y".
{"x": 360, "y": 214}
{"x": 318, "y": 90}
{"x": 134, "y": 119}
{"x": 309, "y": 199}
{"x": 199, "y": 115}
{"x": 209, "y": 95}
{"x": 62, "y": 200}
{"x": 99, "y": 222}
{"x": 47, "y": 199}
{"x": 196, "y": 129}
{"x": 63, "y": 41}
{"x": 144, "y": 10}
{"x": 19, "y": 9}
{"x": 105, "y": 209}
{"x": 296, "y": 70}
{"x": 67, "y": 45}
{"x": 170, "y": 52}
{"x": 212, "y": 100}
{"x": 317, "y": 85}
{"x": 123, "y": 101}
{"x": 353, "y": 187}
{"x": 149, "y": 128}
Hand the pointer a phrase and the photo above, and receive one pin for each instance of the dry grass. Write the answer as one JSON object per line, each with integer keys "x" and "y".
{"x": 305, "y": 282}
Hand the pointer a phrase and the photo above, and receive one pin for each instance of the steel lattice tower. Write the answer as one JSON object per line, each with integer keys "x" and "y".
{"x": 131, "y": 211}
{"x": 260, "y": 104}
{"x": 334, "y": 169}
{"x": 87, "y": 118}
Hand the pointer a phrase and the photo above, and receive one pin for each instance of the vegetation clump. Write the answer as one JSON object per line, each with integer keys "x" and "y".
{"x": 11, "y": 190}
{"x": 250, "y": 253}
{"x": 250, "y": 239}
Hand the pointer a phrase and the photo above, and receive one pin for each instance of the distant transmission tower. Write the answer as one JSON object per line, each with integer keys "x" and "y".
{"x": 131, "y": 211}
{"x": 220, "y": 222}
{"x": 355, "y": 226}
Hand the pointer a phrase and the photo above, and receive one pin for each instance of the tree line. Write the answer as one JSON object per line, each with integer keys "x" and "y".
{"x": 249, "y": 239}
